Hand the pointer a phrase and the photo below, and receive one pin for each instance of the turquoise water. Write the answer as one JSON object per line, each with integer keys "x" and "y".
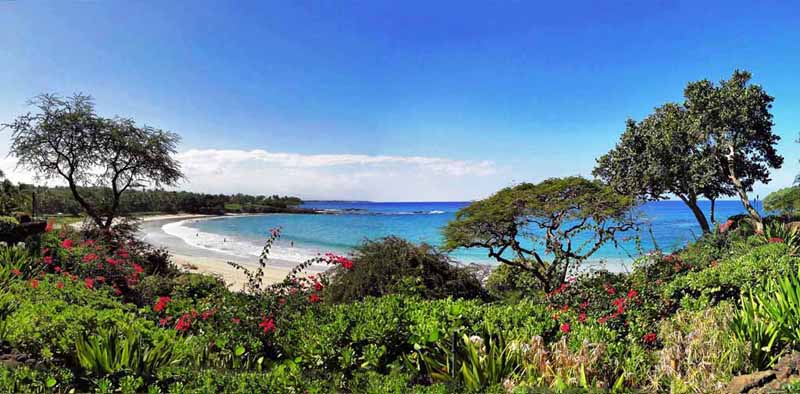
{"x": 671, "y": 222}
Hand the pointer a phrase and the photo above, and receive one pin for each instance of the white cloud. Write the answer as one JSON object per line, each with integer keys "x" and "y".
{"x": 326, "y": 176}
{"x": 330, "y": 176}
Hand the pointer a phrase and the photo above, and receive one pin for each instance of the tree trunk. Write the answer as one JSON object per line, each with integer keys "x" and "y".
{"x": 713, "y": 206}
{"x": 737, "y": 183}
{"x": 691, "y": 202}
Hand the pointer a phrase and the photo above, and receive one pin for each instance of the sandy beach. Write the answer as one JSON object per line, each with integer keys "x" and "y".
{"x": 195, "y": 259}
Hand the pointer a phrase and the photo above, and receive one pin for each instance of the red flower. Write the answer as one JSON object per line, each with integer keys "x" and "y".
{"x": 111, "y": 261}
{"x": 60, "y": 285}
{"x": 632, "y": 293}
{"x": 610, "y": 289}
{"x": 184, "y": 323}
{"x": 163, "y": 322}
{"x": 48, "y": 260}
{"x": 49, "y": 227}
{"x": 235, "y": 320}
{"x": 34, "y": 283}
{"x": 161, "y": 304}
{"x": 775, "y": 240}
{"x": 582, "y": 317}
{"x": 57, "y": 269}
{"x": 314, "y": 298}
{"x": 565, "y": 328}
{"x": 317, "y": 286}
{"x": 341, "y": 260}
{"x": 16, "y": 272}
{"x": 66, "y": 244}
{"x": 89, "y": 282}
{"x": 208, "y": 314}
{"x": 89, "y": 258}
{"x": 100, "y": 279}
{"x": 138, "y": 268}
{"x": 649, "y": 337}
{"x": 267, "y": 324}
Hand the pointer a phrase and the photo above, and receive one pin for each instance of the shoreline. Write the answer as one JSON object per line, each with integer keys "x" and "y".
{"x": 208, "y": 260}
{"x": 190, "y": 258}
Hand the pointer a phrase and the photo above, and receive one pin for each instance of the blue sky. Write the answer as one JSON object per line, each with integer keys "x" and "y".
{"x": 393, "y": 100}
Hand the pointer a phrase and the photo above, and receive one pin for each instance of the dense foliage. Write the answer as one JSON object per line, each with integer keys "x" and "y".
{"x": 56, "y": 200}
{"x": 395, "y": 266}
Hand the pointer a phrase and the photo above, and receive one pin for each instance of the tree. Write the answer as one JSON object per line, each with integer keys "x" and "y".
{"x": 719, "y": 142}
{"x": 785, "y": 201}
{"x": 547, "y": 228}
{"x": 664, "y": 154}
{"x": 66, "y": 140}
{"x": 734, "y": 117}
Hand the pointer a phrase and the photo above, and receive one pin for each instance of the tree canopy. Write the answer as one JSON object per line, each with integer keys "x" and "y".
{"x": 66, "y": 140}
{"x": 664, "y": 154}
{"x": 547, "y": 228}
{"x": 785, "y": 201}
{"x": 719, "y": 142}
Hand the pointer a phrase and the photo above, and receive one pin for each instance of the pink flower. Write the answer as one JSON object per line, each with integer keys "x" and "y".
{"x": 582, "y": 317}
{"x": 67, "y": 244}
{"x": 138, "y": 268}
{"x": 89, "y": 282}
{"x": 57, "y": 269}
{"x": 632, "y": 293}
{"x": 314, "y": 298}
{"x": 34, "y": 283}
{"x": 775, "y": 240}
{"x": 649, "y": 337}
{"x": 48, "y": 260}
{"x": 565, "y": 328}
{"x": 60, "y": 285}
{"x": 16, "y": 272}
{"x": 235, "y": 320}
{"x": 49, "y": 227}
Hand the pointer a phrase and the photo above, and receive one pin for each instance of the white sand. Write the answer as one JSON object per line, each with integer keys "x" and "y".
{"x": 194, "y": 259}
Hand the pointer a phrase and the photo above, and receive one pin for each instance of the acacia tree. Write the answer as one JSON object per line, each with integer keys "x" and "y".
{"x": 548, "y": 228}
{"x": 735, "y": 119}
{"x": 664, "y": 154}
{"x": 66, "y": 140}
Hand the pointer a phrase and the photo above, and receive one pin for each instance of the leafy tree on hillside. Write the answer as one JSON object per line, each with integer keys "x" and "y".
{"x": 661, "y": 155}
{"x": 564, "y": 220}
{"x": 719, "y": 142}
{"x": 66, "y": 140}
{"x": 734, "y": 117}
{"x": 786, "y": 201}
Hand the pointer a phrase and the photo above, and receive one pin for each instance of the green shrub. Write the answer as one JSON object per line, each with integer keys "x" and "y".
{"x": 729, "y": 277}
{"x": 395, "y": 266}
{"x": 48, "y": 320}
{"x": 8, "y": 224}
{"x": 511, "y": 282}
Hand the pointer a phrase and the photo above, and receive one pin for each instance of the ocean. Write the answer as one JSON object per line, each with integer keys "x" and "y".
{"x": 668, "y": 225}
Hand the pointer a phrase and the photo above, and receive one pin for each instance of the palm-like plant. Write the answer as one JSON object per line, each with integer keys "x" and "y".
{"x": 779, "y": 232}
{"x": 112, "y": 351}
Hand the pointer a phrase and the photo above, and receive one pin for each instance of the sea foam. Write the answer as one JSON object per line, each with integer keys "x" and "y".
{"x": 234, "y": 246}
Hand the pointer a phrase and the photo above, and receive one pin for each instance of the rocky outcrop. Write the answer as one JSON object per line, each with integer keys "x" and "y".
{"x": 786, "y": 370}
